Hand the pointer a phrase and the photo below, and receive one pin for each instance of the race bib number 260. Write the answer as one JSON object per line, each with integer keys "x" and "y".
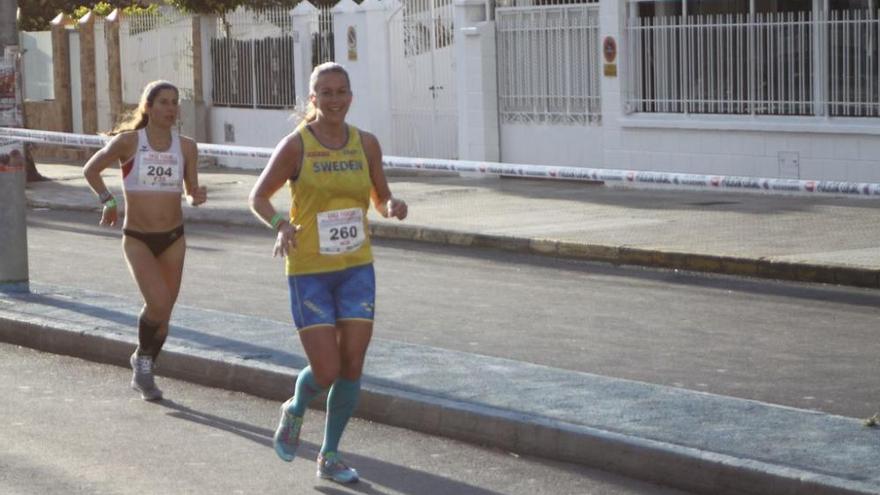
{"x": 341, "y": 231}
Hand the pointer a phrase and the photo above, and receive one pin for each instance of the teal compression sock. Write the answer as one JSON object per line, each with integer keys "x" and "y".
{"x": 341, "y": 402}
{"x": 306, "y": 390}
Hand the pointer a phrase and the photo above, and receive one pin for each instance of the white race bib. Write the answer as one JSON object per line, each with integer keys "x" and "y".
{"x": 159, "y": 170}
{"x": 341, "y": 231}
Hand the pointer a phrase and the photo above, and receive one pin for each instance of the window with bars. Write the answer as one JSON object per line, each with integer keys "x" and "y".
{"x": 763, "y": 58}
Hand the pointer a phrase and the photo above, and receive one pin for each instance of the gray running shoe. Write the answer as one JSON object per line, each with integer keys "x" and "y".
{"x": 331, "y": 467}
{"x": 286, "y": 439}
{"x": 142, "y": 377}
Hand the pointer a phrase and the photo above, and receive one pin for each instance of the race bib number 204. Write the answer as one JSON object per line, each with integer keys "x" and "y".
{"x": 159, "y": 170}
{"x": 341, "y": 231}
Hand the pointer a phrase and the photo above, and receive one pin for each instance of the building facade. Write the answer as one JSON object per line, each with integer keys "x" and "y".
{"x": 755, "y": 88}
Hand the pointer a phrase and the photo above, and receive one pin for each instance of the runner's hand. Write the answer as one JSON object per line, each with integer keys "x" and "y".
{"x": 109, "y": 216}
{"x": 285, "y": 241}
{"x": 199, "y": 196}
{"x": 396, "y": 208}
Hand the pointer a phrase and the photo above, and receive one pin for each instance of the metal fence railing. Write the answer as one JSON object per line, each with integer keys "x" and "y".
{"x": 789, "y": 63}
{"x": 252, "y": 57}
{"x": 253, "y": 73}
{"x": 539, "y": 3}
{"x": 854, "y": 68}
{"x": 548, "y": 64}
{"x": 252, "y": 60}
{"x": 323, "y": 44}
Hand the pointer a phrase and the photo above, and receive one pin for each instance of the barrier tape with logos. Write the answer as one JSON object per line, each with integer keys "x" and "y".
{"x": 607, "y": 176}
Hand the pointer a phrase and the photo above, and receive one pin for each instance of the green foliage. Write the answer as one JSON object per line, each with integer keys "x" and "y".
{"x": 224, "y": 6}
{"x": 206, "y": 6}
{"x": 36, "y": 14}
{"x": 100, "y": 8}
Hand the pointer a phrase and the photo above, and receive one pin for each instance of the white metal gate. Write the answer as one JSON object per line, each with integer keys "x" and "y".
{"x": 423, "y": 97}
{"x": 156, "y": 46}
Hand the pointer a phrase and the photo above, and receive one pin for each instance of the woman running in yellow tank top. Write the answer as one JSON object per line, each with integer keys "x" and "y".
{"x": 333, "y": 170}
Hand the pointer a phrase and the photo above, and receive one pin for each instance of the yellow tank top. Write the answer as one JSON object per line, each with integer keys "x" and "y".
{"x": 330, "y": 198}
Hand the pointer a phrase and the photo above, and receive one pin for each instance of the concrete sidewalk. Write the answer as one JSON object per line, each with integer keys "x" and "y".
{"x": 695, "y": 441}
{"x": 786, "y": 237}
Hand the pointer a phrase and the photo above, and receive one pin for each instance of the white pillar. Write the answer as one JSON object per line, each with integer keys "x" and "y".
{"x": 208, "y": 32}
{"x": 476, "y": 80}
{"x": 361, "y": 40}
{"x": 204, "y": 81}
{"x": 612, "y": 16}
{"x": 304, "y": 24}
{"x": 102, "y": 77}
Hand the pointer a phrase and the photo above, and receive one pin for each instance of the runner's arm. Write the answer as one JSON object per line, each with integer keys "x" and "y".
{"x": 386, "y": 204}
{"x": 195, "y": 194}
{"x": 284, "y": 163}
{"x": 120, "y": 147}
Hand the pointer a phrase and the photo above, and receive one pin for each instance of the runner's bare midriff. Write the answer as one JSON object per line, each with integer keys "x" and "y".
{"x": 152, "y": 211}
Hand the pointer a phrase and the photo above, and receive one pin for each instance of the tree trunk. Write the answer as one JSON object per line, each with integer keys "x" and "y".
{"x": 33, "y": 175}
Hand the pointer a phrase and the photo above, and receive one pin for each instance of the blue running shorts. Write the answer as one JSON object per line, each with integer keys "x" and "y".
{"x": 324, "y": 298}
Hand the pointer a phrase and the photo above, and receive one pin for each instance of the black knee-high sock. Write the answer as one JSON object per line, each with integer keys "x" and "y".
{"x": 159, "y": 340}
{"x": 147, "y": 336}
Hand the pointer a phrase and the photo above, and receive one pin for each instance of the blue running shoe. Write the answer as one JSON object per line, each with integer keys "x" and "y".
{"x": 331, "y": 467}
{"x": 286, "y": 439}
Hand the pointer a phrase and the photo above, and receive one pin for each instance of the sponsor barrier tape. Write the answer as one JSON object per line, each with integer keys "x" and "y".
{"x": 608, "y": 176}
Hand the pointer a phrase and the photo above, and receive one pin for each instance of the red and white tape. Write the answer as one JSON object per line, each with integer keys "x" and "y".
{"x": 607, "y": 176}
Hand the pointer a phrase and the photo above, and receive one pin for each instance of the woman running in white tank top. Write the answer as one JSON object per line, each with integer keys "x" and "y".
{"x": 158, "y": 166}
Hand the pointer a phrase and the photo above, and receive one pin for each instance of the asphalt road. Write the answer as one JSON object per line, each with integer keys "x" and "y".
{"x": 806, "y": 346}
{"x": 74, "y": 427}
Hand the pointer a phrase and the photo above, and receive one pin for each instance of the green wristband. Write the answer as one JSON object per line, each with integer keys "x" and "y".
{"x": 276, "y": 220}
{"x": 110, "y": 203}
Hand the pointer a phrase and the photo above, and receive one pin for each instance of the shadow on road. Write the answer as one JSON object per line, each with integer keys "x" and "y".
{"x": 381, "y": 474}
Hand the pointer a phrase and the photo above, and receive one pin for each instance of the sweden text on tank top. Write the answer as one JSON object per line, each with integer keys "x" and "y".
{"x": 154, "y": 171}
{"x": 330, "y": 199}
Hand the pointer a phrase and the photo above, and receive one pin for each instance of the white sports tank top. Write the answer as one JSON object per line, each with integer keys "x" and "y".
{"x": 154, "y": 171}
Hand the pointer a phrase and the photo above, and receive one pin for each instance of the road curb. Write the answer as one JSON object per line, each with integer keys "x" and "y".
{"x": 672, "y": 465}
{"x": 625, "y": 255}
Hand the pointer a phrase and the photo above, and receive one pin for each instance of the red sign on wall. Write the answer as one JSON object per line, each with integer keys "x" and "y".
{"x": 609, "y": 49}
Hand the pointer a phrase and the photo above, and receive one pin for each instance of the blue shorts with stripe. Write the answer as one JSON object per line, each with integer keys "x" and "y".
{"x": 324, "y": 298}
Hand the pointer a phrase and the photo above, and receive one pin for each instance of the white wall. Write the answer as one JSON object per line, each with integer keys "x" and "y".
{"x": 261, "y": 128}
{"x": 37, "y": 65}
{"x": 767, "y": 146}
{"x": 164, "y": 53}
{"x": 825, "y": 155}
{"x": 543, "y": 144}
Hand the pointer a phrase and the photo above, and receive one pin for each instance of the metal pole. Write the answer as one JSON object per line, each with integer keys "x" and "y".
{"x": 13, "y": 223}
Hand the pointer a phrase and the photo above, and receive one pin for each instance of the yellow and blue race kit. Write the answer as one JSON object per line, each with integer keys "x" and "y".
{"x": 330, "y": 198}
{"x": 330, "y": 272}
